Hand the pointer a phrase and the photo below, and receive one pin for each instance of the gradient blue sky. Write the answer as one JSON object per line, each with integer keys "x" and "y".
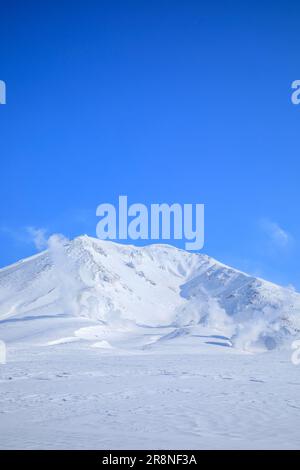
{"x": 165, "y": 101}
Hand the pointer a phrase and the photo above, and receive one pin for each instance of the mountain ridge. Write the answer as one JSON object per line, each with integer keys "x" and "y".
{"x": 155, "y": 285}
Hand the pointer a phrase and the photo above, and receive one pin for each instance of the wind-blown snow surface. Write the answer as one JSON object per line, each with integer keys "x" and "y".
{"x": 114, "y": 346}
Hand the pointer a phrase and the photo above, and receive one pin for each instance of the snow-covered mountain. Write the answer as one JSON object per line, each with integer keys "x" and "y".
{"x": 152, "y": 286}
{"x": 114, "y": 346}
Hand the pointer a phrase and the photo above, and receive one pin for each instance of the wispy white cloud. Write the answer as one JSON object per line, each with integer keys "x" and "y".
{"x": 27, "y": 235}
{"x": 38, "y": 237}
{"x": 277, "y": 236}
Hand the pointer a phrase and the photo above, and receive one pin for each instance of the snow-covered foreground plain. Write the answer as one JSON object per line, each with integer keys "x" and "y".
{"x": 114, "y": 347}
{"x": 202, "y": 395}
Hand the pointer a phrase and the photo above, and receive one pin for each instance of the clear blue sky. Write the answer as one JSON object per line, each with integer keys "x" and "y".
{"x": 182, "y": 101}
